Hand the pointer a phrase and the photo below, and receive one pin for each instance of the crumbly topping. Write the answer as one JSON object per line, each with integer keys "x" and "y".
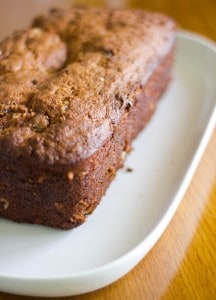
{"x": 66, "y": 82}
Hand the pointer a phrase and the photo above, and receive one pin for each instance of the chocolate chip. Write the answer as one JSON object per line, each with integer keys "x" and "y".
{"x": 34, "y": 81}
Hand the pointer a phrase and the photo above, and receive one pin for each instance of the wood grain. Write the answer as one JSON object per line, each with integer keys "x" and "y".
{"x": 182, "y": 265}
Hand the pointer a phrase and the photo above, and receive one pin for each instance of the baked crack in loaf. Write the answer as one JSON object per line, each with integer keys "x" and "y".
{"x": 75, "y": 89}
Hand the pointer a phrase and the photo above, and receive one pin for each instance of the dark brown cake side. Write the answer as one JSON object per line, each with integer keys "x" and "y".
{"x": 67, "y": 121}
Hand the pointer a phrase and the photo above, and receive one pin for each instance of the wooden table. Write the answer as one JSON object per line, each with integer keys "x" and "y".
{"x": 182, "y": 265}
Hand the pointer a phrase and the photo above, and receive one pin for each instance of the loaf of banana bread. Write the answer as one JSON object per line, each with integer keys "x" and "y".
{"x": 75, "y": 89}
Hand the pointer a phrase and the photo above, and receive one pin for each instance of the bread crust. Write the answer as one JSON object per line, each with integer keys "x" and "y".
{"x": 76, "y": 103}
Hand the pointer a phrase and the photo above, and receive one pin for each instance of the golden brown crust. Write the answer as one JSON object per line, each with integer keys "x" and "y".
{"x": 82, "y": 97}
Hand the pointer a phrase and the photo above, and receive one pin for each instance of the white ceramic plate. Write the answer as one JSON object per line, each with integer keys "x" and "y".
{"x": 39, "y": 261}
